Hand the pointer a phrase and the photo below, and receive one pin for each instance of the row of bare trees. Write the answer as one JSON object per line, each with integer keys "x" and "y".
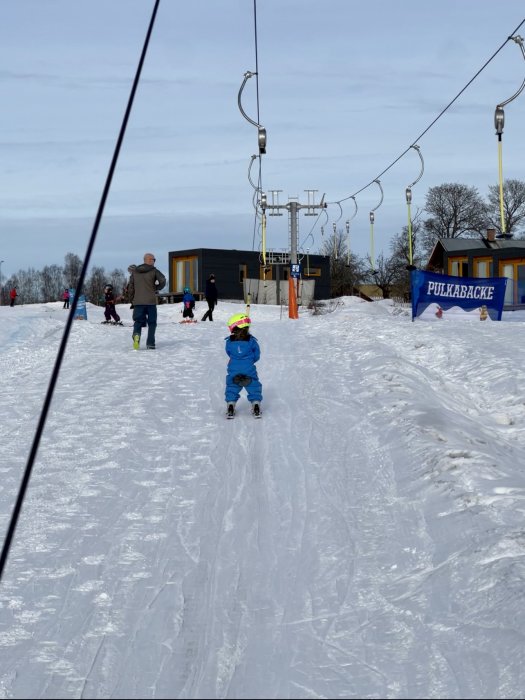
{"x": 40, "y": 286}
{"x": 453, "y": 211}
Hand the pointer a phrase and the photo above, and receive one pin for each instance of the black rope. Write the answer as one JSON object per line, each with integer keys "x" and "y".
{"x": 58, "y": 362}
{"x": 256, "y": 59}
{"x": 259, "y": 179}
{"x": 338, "y": 201}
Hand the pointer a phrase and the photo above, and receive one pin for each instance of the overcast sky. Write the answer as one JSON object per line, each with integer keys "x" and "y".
{"x": 344, "y": 89}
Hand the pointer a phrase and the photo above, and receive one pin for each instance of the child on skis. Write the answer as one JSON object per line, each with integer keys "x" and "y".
{"x": 243, "y": 351}
{"x": 109, "y": 311}
{"x": 188, "y": 302}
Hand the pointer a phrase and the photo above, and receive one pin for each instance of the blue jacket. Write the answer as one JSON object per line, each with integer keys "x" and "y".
{"x": 188, "y": 298}
{"x": 243, "y": 355}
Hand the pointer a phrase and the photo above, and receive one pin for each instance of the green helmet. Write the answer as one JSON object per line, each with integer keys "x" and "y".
{"x": 238, "y": 321}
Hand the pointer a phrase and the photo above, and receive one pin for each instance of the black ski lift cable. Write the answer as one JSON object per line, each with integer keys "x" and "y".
{"x": 322, "y": 211}
{"x": 445, "y": 109}
{"x": 499, "y": 121}
{"x": 62, "y": 348}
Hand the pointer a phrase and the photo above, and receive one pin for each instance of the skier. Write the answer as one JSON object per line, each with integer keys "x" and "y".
{"x": 13, "y": 295}
{"x": 110, "y": 311}
{"x": 188, "y": 301}
{"x": 65, "y": 298}
{"x": 243, "y": 351}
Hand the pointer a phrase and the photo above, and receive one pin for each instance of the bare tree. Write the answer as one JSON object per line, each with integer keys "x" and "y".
{"x": 513, "y": 206}
{"x": 400, "y": 246}
{"x": 346, "y": 269}
{"x": 118, "y": 279}
{"x": 72, "y": 269}
{"x": 51, "y": 283}
{"x": 94, "y": 285}
{"x": 455, "y": 211}
{"x": 27, "y": 283}
{"x": 385, "y": 274}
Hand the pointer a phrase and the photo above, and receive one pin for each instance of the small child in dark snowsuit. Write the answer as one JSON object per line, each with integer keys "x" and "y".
{"x": 110, "y": 312}
{"x": 243, "y": 351}
{"x": 188, "y": 301}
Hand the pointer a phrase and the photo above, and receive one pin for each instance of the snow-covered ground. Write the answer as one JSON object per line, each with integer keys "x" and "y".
{"x": 365, "y": 539}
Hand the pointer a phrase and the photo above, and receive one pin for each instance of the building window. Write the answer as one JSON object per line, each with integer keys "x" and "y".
{"x": 458, "y": 267}
{"x": 514, "y": 271}
{"x": 265, "y": 272}
{"x": 185, "y": 274}
{"x": 483, "y": 267}
{"x": 311, "y": 272}
{"x": 243, "y": 272}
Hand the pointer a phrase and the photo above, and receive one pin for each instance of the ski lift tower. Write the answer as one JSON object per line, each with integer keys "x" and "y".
{"x": 293, "y": 207}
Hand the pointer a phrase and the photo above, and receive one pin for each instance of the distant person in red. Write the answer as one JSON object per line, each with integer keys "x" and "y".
{"x": 13, "y": 295}
{"x": 65, "y": 297}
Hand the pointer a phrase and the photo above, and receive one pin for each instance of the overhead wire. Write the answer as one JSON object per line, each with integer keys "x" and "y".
{"x": 63, "y": 344}
{"x": 418, "y": 138}
{"x": 258, "y": 188}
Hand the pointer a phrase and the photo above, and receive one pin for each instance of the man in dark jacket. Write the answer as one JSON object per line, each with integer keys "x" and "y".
{"x": 211, "y": 295}
{"x": 144, "y": 283}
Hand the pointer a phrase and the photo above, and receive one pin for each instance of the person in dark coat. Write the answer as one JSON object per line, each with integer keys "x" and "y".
{"x": 211, "y": 295}
{"x": 188, "y": 303}
{"x": 144, "y": 283}
{"x": 109, "y": 310}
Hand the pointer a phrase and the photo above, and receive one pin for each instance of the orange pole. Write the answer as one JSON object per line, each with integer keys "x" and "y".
{"x": 292, "y": 299}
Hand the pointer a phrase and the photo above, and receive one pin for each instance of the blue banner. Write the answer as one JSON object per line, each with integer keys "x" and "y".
{"x": 436, "y": 296}
{"x": 80, "y": 311}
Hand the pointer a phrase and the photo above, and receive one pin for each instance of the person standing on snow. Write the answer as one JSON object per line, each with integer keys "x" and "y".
{"x": 188, "y": 303}
{"x": 212, "y": 296}
{"x": 243, "y": 351}
{"x": 144, "y": 283}
{"x": 109, "y": 311}
{"x": 65, "y": 298}
{"x": 13, "y": 295}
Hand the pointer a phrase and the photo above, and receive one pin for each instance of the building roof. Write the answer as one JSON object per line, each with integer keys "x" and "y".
{"x": 469, "y": 245}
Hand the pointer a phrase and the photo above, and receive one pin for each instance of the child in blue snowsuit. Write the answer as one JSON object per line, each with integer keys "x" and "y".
{"x": 243, "y": 351}
{"x": 188, "y": 302}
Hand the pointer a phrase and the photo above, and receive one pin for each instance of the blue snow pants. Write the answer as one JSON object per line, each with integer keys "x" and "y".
{"x": 253, "y": 389}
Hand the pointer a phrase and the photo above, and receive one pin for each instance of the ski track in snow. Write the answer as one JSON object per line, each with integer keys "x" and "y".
{"x": 364, "y": 539}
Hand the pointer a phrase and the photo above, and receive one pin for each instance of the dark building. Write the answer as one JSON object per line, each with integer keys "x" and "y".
{"x": 191, "y": 268}
{"x": 491, "y": 256}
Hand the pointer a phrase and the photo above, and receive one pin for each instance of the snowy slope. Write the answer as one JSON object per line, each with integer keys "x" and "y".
{"x": 365, "y": 539}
